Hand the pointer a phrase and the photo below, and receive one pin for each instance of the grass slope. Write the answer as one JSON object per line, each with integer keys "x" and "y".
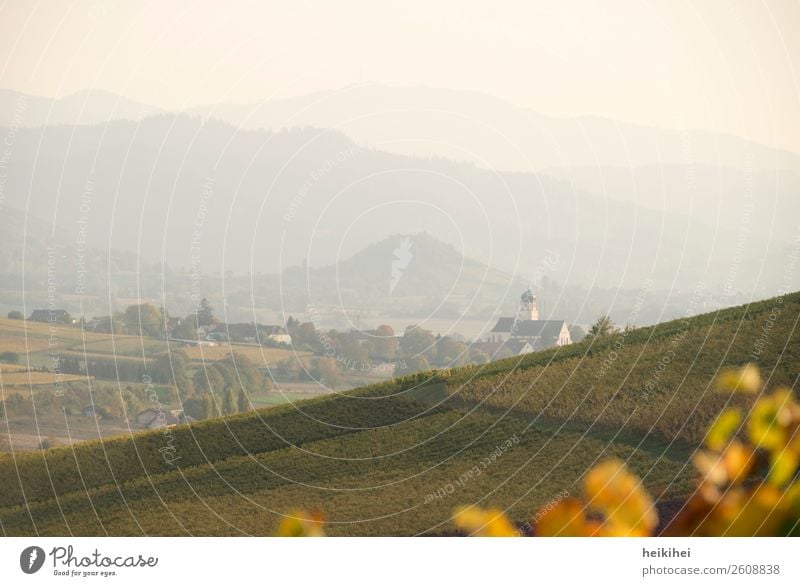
{"x": 396, "y": 457}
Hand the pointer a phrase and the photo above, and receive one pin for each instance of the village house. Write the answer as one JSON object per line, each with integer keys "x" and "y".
{"x": 52, "y": 316}
{"x": 242, "y": 333}
{"x": 255, "y": 333}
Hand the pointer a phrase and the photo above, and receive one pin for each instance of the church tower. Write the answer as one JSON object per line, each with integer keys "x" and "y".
{"x": 527, "y": 307}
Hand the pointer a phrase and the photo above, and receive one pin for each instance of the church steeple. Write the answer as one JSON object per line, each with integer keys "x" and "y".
{"x": 527, "y": 307}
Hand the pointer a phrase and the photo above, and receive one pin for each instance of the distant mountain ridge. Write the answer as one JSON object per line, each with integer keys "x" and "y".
{"x": 424, "y": 121}
{"x": 84, "y": 107}
{"x": 492, "y": 133}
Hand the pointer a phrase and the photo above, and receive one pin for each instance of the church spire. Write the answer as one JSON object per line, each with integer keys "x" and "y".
{"x": 527, "y": 306}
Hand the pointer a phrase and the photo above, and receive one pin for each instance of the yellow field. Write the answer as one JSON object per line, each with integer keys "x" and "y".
{"x": 19, "y": 345}
{"x": 37, "y": 378}
{"x": 123, "y": 344}
{"x": 74, "y": 353}
{"x": 13, "y": 333}
{"x": 257, "y": 354}
{"x": 72, "y": 342}
{"x": 6, "y": 368}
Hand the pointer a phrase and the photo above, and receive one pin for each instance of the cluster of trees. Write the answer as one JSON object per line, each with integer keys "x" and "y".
{"x": 187, "y": 328}
{"x": 604, "y": 327}
{"x": 143, "y": 320}
{"x": 171, "y": 368}
{"x": 337, "y": 354}
{"x": 122, "y": 368}
{"x": 155, "y": 322}
{"x": 109, "y": 401}
{"x": 324, "y": 369}
{"x": 223, "y": 387}
{"x": 210, "y": 405}
{"x": 218, "y": 388}
{"x": 148, "y": 320}
{"x": 601, "y": 328}
{"x": 420, "y": 349}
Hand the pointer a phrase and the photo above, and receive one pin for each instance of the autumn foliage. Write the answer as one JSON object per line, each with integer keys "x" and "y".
{"x": 747, "y": 481}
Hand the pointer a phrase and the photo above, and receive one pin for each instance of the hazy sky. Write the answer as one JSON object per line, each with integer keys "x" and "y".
{"x": 717, "y": 64}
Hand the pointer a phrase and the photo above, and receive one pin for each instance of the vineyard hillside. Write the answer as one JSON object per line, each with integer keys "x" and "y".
{"x": 397, "y": 457}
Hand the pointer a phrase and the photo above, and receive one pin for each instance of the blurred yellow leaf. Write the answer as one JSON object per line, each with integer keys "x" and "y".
{"x": 767, "y": 426}
{"x": 746, "y": 379}
{"x": 723, "y": 428}
{"x": 566, "y": 519}
{"x": 752, "y": 514}
{"x": 302, "y": 524}
{"x": 484, "y": 522}
{"x": 723, "y": 504}
{"x": 739, "y": 460}
{"x": 711, "y": 468}
{"x": 792, "y": 498}
{"x": 619, "y": 495}
{"x": 782, "y": 466}
{"x": 730, "y": 467}
{"x": 694, "y": 513}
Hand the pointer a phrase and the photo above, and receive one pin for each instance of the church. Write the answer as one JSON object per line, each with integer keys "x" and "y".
{"x": 525, "y": 332}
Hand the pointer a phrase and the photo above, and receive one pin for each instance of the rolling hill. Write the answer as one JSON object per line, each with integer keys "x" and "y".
{"x": 397, "y": 457}
{"x": 405, "y": 274}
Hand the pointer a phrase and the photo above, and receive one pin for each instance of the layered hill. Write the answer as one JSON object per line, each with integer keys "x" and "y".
{"x": 396, "y": 458}
{"x": 430, "y": 122}
{"x": 183, "y": 191}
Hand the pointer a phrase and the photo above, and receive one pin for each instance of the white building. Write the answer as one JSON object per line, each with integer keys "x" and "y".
{"x": 527, "y": 327}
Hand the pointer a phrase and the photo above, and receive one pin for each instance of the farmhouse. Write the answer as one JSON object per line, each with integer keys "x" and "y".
{"x": 276, "y": 334}
{"x": 525, "y": 332}
{"x": 52, "y": 316}
{"x": 254, "y": 333}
